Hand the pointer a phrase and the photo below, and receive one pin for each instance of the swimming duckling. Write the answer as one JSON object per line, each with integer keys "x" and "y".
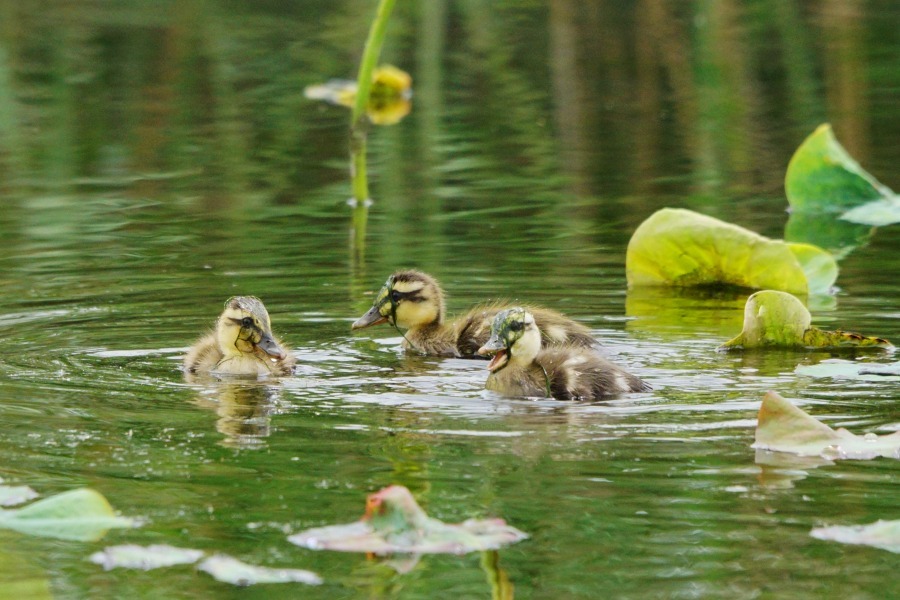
{"x": 521, "y": 368}
{"x": 414, "y": 300}
{"x": 242, "y": 343}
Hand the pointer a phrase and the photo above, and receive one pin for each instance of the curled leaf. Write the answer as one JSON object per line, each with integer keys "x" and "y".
{"x": 395, "y": 523}
{"x": 782, "y": 427}
{"x": 774, "y": 319}
{"x": 679, "y": 247}
{"x": 231, "y": 570}
{"x": 145, "y": 558}
{"x": 880, "y": 534}
{"x": 81, "y": 514}
{"x": 823, "y": 177}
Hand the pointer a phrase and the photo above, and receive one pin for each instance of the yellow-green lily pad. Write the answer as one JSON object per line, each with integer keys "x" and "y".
{"x": 782, "y": 427}
{"x": 81, "y": 514}
{"x": 395, "y": 523}
{"x": 880, "y": 534}
{"x": 679, "y": 247}
{"x": 774, "y": 319}
{"x": 823, "y": 177}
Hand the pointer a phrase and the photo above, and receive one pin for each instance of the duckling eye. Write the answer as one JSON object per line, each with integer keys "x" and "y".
{"x": 516, "y": 326}
{"x": 395, "y": 296}
{"x": 246, "y": 322}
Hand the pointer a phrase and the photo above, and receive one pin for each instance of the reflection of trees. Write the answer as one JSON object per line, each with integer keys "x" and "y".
{"x": 719, "y": 92}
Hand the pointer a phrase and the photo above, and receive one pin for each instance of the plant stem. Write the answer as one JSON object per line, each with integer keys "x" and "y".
{"x": 359, "y": 124}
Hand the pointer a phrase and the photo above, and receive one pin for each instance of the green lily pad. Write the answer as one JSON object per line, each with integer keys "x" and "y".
{"x": 81, "y": 514}
{"x": 823, "y": 177}
{"x": 10, "y": 495}
{"x": 844, "y": 369}
{"x": 395, "y": 523}
{"x": 678, "y": 247}
{"x": 782, "y": 427}
{"x": 145, "y": 558}
{"x": 880, "y": 534}
{"x": 231, "y": 570}
{"x": 775, "y": 319}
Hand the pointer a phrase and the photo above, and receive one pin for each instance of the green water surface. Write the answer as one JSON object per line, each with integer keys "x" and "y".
{"x": 157, "y": 158}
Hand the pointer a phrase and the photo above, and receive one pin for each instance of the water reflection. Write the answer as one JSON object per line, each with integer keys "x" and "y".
{"x": 244, "y": 409}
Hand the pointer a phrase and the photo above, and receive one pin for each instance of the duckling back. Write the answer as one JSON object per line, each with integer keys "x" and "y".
{"x": 577, "y": 374}
{"x": 473, "y": 329}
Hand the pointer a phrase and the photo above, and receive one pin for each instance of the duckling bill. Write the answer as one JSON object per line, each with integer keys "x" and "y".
{"x": 242, "y": 343}
{"x": 414, "y": 301}
{"x": 519, "y": 367}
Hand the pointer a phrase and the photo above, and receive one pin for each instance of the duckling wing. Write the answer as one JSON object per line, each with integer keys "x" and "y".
{"x": 576, "y": 373}
{"x": 559, "y": 330}
{"x": 204, "y": 355}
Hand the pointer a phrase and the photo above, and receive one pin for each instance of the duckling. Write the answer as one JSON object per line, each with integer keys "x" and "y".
{"x": 521, "y": 368}
{"x": 242, "y": 343}
{"x": 414, "y": 300}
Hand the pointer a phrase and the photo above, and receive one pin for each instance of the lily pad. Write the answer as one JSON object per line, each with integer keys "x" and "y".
{"x": 844, "y": 369}
{"x": 821, "y": 229}
{"x": 823, "y": 177}
{"x": 395, "y": 523}
{"x": 774, "y": 319}
{"x": 880, "y": 534}
{"x": 81, "y": 514}
{"x": 10, "y": 495}
{"x": 231, "y": 570}
{"x": 678, "y": 247}
{"x": 782, "y": 427}
{"x": 132, "y": 556}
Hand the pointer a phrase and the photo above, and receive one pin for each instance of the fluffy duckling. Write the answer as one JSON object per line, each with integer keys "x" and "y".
{"x": 521, "y": 368}
{"x": 242, "y": 343}
{"x": 414, "y": 301}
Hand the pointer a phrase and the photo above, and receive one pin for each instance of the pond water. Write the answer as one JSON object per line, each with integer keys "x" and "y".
{"x": 156, "y": 160}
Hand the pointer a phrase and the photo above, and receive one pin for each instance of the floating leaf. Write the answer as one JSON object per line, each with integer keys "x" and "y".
{"x": 389, "y": 98}
{"x": 80, "y": 514}
{"x": 231, "y": 570}
{"x": 782, "y": 427}
{"x": 877, "y": 213}
{"x": 132, "y": 556}
{"x": 880, "y": 534}
{"x": 775, "y": 319}
{"x": 11, "y": 495}
{"x": 823, "y": 177}
{"x": 843, "y": 369}
{"x": 394, "y": 522}
{"x": 679, "y": 247}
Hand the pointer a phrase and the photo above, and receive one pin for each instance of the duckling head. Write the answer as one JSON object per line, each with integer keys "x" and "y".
{"x": 407, "y": 299}
{"x": 244, "y": 328}
{"x": 514, "y": 338}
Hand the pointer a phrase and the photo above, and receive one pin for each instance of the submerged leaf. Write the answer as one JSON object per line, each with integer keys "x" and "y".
{"x": 682, "y": 248}
{"x": 843, "y": 369}
{"x": 880, "y": 534}
{"x": 231, "y": 570}
{"x": 10, "y": 495}
{"x": 132, "y": 556}
{"x": 81, "y": 514}
{"x": 395, "y": 523}
{"x": 822, "y": 229}
{"x": 823, "y": 177}
{"x": 775, "y": 319}
{"x": 782, "y": 427}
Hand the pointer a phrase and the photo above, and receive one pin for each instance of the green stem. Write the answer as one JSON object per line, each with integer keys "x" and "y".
{"x": 359, "y": 123}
